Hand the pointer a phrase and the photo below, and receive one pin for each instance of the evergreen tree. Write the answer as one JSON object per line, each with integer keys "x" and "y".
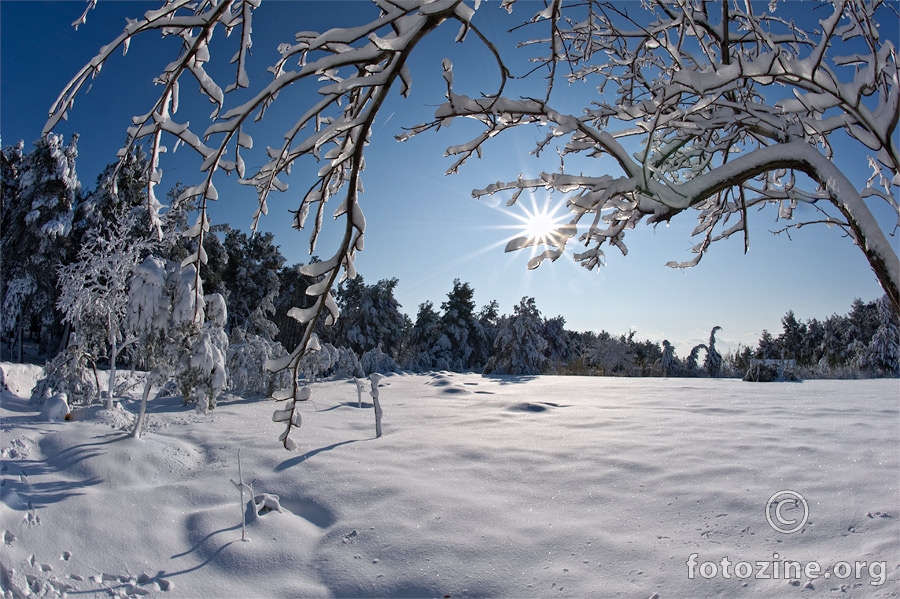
{"x": 669, "y": 362}
{"x": 292, "y": 285}
{"x": 791, "y": 338}
{"x": 460, "y": 327}
{"x": 768, "y": 348}
{"x": 884, "y": 351}
{"x": 713, "y": 360}
{"x": 611, "y": 355}
{"x": 832, "y": 349}
{"x": 370, "y": 316}
{"x": 251, "y": 282}
{"x": 489, "y": 325}
{"x": 559, "y": 349}
{"x": 424, "y": 338}
{"x": 520, "y": 347}
{"x": 40, "y": 191}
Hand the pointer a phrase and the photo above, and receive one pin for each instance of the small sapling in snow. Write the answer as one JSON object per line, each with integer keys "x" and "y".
{"x": 241, "y": 485}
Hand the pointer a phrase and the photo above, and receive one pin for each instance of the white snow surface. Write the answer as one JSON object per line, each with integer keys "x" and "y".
{"x": 480, "y": 487}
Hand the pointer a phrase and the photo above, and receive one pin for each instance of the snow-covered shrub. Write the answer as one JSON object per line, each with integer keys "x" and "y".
{"x": 376, "y": 360}
{"x": 318, "y": 364}
{"x": 246, "y": 359}
{"x": 71, "y": 372}
{"x": 347, "y": 365}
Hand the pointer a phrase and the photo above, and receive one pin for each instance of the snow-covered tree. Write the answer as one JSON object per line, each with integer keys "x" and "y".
{"x": 245, "y": 363}
{"x": 610, "y": 355}
{"x": 559, "y": 349}
{"x": 520, "y": 347}
{"x": 94, "y": 289}
{"x": 347, "y": 365}
{"x": 371, "y": 316}
{"x": 201, "y": 372}
{"x": 460, "y": 327}
{"x": 713, "y": 108}
{"x": 489, "y": 322}
{"x": 251, "y": 281}
{"x": 669, "y": 363}
{"x": 376, "y": 360}
{"x": 177, "y": 340}
{"x": 713, "y": 361}
{"x": 884, "y": 351}
{"x": 40, "y": 191}
{"x": 424, "y": 341}
{"x": 692, "y": 365}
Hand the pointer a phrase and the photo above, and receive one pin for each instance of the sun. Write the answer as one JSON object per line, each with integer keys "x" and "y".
{"x": 539, "y": 224}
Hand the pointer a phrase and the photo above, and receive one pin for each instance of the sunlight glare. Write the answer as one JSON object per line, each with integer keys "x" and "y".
{"x": 540, "y": 223}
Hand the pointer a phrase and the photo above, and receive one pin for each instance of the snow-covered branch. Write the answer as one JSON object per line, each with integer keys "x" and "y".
{"x": 710, "y": 108}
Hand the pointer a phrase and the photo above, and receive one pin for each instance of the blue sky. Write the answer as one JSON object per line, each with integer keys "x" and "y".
{"x": 424, "y": 227}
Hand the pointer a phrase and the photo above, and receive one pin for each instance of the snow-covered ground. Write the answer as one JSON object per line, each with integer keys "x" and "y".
{"x": 480, "y": 487}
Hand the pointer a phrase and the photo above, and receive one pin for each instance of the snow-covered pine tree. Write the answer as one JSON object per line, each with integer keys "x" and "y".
{"x": 251, "y": 281}
{"x": 460, "y": 326}
{"x": 520, "y": 347}
{"x": 768, "y": 347}
{"x": 40, "y": 192}
{"x": 347, "y": 365}
{"x": 245, "y": 363}
{"x": 318, "y": 365}
{"x": 489, "y": 321}
{"x": 559, "y": 344}
{"x": 370, "y": 316}
{"x": 669, "y": 363}
{"x": 376, "y": 360}
{"x": 423, "y": 339}
{"x": 611, "y": 355}
{"x": 884, "y": 351}
{"x": 791, "y": 338}
{"x": 713, "y": 361}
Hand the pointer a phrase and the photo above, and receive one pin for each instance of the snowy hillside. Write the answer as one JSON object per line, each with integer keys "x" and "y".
{"x": 480, "y": 487}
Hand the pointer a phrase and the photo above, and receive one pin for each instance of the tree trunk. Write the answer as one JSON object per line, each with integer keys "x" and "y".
{"x": 139, "y": 421}
{"x": 113, "y": 350}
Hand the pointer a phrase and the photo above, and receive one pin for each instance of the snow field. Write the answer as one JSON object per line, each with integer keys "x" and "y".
{"x": 480, "y": 486}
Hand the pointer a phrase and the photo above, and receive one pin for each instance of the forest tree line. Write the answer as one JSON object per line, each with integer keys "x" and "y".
{"x": 72, "y": 260}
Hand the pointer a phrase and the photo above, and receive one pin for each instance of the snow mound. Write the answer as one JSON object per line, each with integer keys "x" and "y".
{"x": 118, "y": 418}
{"x": 21, "y": 378}
{"x": 55, "y": 408}
{"x": 117, "y": 460}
